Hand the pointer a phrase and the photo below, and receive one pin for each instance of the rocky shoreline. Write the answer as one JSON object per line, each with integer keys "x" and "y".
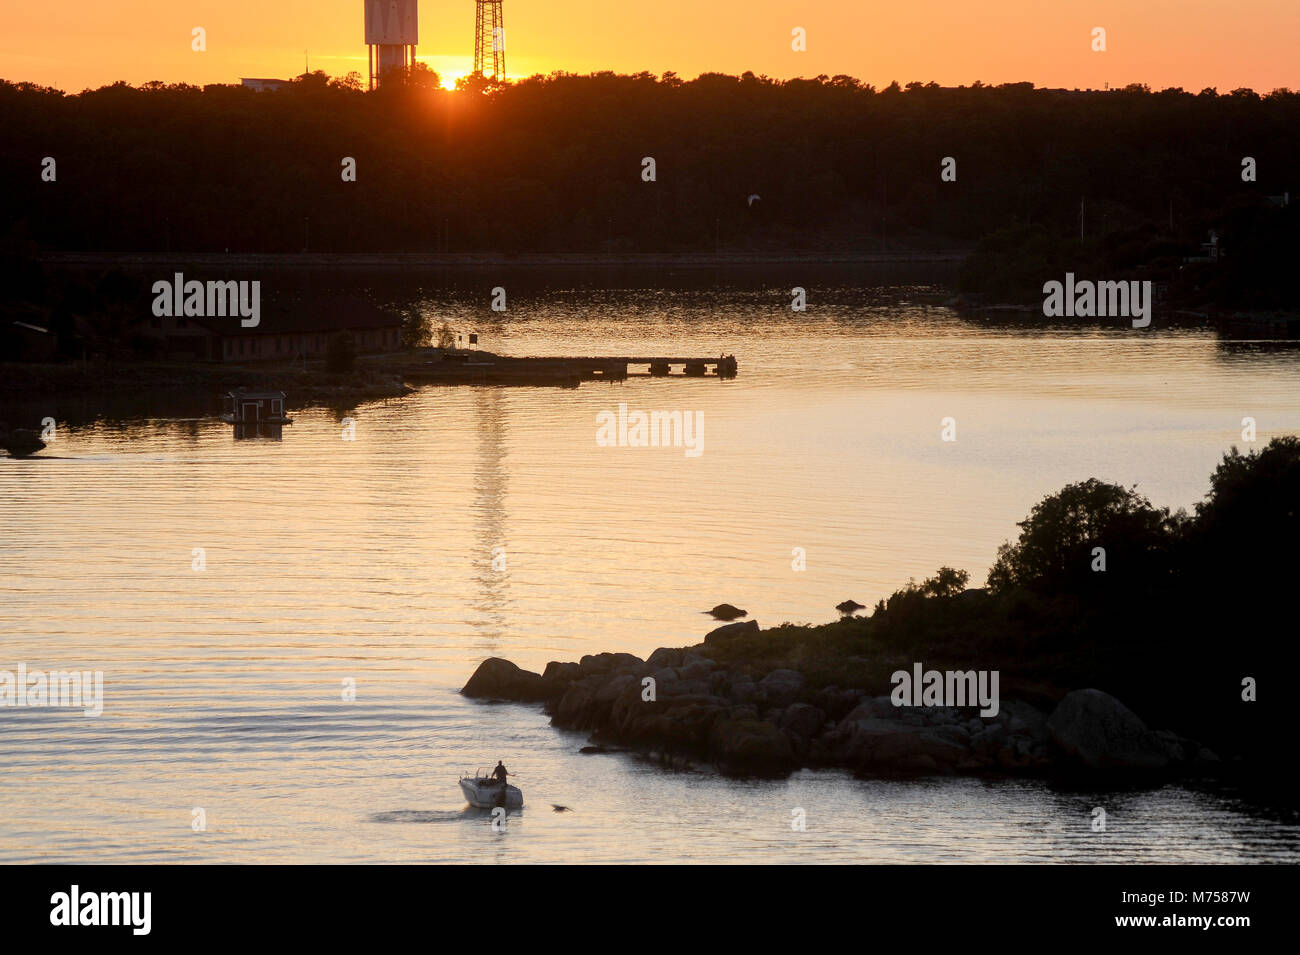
{"x": 694, "y": 711}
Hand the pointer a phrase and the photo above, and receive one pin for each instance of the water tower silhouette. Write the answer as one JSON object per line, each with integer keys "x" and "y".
{"x": 392, "y": 30}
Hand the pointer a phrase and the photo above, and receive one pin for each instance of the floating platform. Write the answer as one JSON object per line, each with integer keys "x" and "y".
{"x": 478, "y": 367}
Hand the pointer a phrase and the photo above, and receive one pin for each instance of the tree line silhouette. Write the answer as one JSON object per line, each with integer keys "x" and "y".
{"x": 554, "y": 163}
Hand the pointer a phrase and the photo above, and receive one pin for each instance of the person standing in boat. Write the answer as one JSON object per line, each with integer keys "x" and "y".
{"x": 500, "y": 773}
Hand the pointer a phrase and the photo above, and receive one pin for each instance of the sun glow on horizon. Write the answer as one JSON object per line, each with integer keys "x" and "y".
{"x": 449, "y": 68}
{"x": 89, "y": 44}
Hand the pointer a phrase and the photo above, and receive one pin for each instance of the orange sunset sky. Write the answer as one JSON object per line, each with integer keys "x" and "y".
{"x": 74, "y": 44}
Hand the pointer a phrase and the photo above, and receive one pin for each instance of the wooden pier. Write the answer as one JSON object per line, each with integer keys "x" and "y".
{"x": 479, "y": 367}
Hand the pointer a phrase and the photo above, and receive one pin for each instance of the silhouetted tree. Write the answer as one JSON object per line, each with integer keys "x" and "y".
{"x": 446, "y": 337}
{"x": 415, "y": 328}
{"x": 1247, "y": 529}
{"x": 1055, "y": 550}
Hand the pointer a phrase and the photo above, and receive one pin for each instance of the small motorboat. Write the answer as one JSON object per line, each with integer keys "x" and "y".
{"x": 485, "y": 792}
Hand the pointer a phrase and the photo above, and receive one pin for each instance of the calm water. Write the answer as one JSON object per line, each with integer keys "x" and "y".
{"x": 372, "y": 560}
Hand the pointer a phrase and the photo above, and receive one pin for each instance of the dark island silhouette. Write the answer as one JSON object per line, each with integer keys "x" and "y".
{"x": 1150, "y": 666}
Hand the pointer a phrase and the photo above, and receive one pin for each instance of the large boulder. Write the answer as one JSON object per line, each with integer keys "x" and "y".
{"x": 635, "y": 720}
{"x": 802, "y": 719}
{"x": 605, "y": 662}
{"x": 1179, "y": 749}
{"x": 664, "y": 676}
{"x": 583, "y": 705}
{"x": 780, "y": 687}
{"x": 688, "y": 688}
{"x": 988, "y": 742}
{"x": 561, "y": 672}
{"x": 589, "y": 703}
{"x": 497, "y": 678}
{"x": 1025, "y": 720}
{"x": 689, "y": 721}
{"x": 742, "y": 690}
{"x": 874, "y": 745}
{"x": 557, "y": 677}
{"x": 837, "y": 702}
{"x": 875, "y": 707}
{"x": 609, "y": 691}
{"x": 731, "y": 631}
{"x": 572, "y": 709}
{"x": 666, "y": 725}
{"x": 666, "y": 657}
{"x": 1102, "y": 733}
{"x": 750, "y": 748}
{"x": 697, "y": 669}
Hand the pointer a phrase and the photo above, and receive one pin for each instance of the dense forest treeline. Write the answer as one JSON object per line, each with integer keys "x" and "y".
{"x": 555, "y": 164}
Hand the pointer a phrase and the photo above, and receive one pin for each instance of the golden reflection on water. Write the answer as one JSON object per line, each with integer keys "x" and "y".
{"x": 373, "y": 560}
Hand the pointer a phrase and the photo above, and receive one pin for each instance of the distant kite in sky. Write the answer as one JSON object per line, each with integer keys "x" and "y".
{"x": 754, "y": 198}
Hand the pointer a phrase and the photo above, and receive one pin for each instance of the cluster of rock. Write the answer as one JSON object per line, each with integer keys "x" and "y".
{"x": 775, "y": 724}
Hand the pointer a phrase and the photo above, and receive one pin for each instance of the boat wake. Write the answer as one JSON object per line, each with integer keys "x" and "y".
{"x": 424, "y": 815}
